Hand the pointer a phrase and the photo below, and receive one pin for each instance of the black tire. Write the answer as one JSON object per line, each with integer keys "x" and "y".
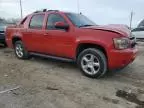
{"x": 100, "y": 57}
{"x": 25, "y": 54}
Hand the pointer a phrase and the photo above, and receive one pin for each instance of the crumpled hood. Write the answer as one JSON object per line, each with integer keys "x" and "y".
{"x": 121, "y": 29}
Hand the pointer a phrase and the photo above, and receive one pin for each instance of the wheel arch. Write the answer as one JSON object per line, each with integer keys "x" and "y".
{"x": 15, "y": 38}
{"x": 82, "y": 46}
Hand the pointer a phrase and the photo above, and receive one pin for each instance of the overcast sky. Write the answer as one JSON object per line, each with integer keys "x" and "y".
{"x": 100, "y": 11}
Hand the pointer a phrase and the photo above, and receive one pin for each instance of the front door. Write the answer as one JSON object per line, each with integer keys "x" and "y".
{"x": 59, "y": 42}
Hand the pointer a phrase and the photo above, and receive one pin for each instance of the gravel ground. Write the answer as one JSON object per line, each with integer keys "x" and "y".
{"x": 46, "y": 83}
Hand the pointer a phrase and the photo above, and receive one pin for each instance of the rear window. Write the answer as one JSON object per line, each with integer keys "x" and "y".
{"x": 37, "y": 22}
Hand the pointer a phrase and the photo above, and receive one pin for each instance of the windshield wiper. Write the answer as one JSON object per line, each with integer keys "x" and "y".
{"x": 85, "y": 25}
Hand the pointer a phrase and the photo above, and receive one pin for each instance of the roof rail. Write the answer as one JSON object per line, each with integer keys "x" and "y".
{"x": 45, "y": 10}
{"x": 53, "y": 10}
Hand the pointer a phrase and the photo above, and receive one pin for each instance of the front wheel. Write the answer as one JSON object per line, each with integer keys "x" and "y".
{"x": 92, "y": 62}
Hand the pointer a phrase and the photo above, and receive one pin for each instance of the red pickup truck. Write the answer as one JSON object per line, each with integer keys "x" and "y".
{"x": 73, "y": 37}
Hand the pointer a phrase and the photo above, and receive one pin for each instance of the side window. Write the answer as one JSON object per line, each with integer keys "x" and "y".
{"x": 36, "y": 22}
{"x": 135, "y": 30}
{"x": 138, "y": 29}
{"x": 52, "y": 19}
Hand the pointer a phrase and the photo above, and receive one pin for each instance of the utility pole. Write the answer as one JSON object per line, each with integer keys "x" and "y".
{"x": 78, "y": 8}
{"x": 21, "y": 9}
{"x": 131, "y": 19}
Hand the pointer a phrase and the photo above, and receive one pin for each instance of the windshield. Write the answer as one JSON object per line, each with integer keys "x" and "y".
{"x": 80, "y": 20}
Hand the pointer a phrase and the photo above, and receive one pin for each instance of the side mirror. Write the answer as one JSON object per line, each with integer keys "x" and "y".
{"x": 61, "y": 25}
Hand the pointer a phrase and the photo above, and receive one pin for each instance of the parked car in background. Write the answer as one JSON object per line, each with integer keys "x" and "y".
{"x": 73, "y": 37}
{"x": 2, "y": 33}
{"x": 139, "y": 31}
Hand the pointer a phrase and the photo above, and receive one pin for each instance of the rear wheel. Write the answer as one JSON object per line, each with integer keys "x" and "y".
{"x": 92, "y": 62}
{"x": 20, "y": 50}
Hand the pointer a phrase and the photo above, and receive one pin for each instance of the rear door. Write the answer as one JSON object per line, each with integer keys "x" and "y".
{"x": 34, "y": 32}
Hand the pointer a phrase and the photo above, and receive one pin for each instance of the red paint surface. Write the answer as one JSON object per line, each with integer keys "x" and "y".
{"x": 65, "y": 43}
